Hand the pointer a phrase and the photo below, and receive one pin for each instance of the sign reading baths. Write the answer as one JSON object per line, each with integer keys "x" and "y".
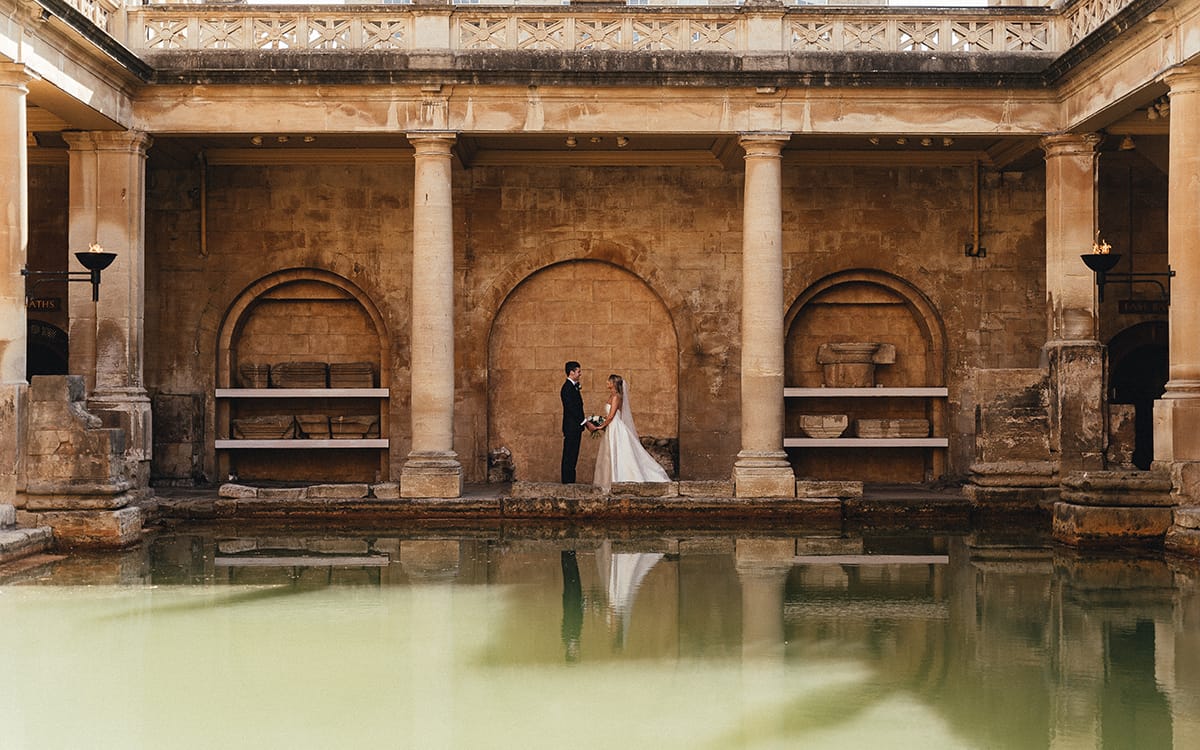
{"x": 44, "y": 304}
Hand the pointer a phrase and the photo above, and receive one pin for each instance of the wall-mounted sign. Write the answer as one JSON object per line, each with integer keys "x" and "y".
{"x": 1142, "y": 307}
{"x": 44, "y": 304}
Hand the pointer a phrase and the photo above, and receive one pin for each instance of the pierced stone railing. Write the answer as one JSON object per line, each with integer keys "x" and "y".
{"x": 996, "y": 29}
{"x": 99, "y": 12}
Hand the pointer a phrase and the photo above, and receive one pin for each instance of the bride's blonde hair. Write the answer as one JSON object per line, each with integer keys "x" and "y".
{"x": 618, "y": 383}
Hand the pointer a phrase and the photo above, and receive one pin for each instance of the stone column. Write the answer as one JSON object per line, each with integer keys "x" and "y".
{"x": 108, "y": 207}
{"x": 762, "y": 468}
{"x": 1177, "y": 414}
{"x": 432, "y": 468}
{"x": 1077, "y": 361}
{"x": 14, "y": 238}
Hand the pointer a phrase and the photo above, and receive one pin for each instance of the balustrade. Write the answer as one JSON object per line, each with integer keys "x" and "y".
{"x": 636, "y": 28}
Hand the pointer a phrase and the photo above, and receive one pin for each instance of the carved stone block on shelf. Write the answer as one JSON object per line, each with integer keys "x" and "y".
{"x": 891, "y": 428}
{"x": 851, "y": 364}
{"x": 254, "y": 376}
{"x": 281, "y": 427}
{"x": 313, "y": 426}
{"x": 300, "y": 375}
{"x": 824, "y": 425}
{"x": 351, "y": 375}
{"x": 353, "y": 428}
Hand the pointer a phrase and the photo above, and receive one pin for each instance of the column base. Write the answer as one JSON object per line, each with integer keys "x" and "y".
{"x": 431, "y": 474}
{"x": 766, "y": 474}
{"x": 1177, "y": 429}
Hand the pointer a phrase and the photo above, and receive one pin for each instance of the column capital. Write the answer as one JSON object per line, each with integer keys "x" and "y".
{"x": 132, "y": 141}
{"x": 432, "y": 142}
{"x": 1070, "y": 144}
{"x": 1184, "y": 79}
{"x": 764, "y": 145}
{"x": 16, "y": 75}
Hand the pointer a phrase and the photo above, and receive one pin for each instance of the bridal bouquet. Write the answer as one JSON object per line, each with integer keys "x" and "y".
{"x": 596, "y": 421}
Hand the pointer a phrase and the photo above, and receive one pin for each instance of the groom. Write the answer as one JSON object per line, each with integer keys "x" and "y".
{"x": 572, "y": 421}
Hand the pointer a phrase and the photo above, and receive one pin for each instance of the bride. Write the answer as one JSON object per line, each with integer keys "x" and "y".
{"x": 622, "y": 457}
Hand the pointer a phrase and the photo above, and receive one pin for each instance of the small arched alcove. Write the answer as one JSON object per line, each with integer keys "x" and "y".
{"x": 602, "y": 316}
{"x": 322, "y": 412}
{"x": 871, "y": 307}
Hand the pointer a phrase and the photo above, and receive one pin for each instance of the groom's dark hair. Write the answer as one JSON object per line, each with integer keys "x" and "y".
{"x": 570, "y": 366}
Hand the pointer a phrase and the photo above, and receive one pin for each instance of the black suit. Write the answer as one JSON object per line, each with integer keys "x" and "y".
{"x": 572, "y": 428}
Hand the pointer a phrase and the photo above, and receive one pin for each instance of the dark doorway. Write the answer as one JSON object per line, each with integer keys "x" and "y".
{"x": 46, "y": 349}
{"x": 1138, "y": 376}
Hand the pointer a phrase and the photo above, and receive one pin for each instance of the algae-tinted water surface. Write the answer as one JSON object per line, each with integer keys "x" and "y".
{"x": 633, "y": 640}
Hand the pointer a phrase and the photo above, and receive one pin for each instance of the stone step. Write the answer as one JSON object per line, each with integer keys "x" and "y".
{"x": 18, "y": 543}
{"x": 8, "y": 517}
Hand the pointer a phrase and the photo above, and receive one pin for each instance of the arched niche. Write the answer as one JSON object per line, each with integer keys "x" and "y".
{"x": 600, "y": 315}
{"x": 301, "y": 314}
{"x": 864, "y": 305}
{"x": 304, "y": 315}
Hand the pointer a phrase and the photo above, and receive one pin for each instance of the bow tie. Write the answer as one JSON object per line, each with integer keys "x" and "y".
{"x": 578, "y": 386}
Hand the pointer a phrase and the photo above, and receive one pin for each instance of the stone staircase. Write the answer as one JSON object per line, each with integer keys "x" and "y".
{"x": 16, "y": 543}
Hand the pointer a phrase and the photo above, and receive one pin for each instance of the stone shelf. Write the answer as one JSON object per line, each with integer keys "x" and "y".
{"x": 921, "y": 392}
{"x": 853, "y": 442}
{"x": 303, "y": 443}
{"x": 302, "y": 393}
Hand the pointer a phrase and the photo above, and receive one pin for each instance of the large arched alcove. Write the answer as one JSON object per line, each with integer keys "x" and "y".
{"x": 310, "y": 316}
{"x": 867, "y": 306}
{"x": 606, "y": 318}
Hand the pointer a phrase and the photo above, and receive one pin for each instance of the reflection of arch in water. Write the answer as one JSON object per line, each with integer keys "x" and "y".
{"x": 47, "y": 349}
{"x": 1138, "y": 372}
{"x": 600, "y": 315}
{"x": 866, "y": 305}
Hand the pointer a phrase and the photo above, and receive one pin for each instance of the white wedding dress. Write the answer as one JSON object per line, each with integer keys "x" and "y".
{"x": 622, "y": 457}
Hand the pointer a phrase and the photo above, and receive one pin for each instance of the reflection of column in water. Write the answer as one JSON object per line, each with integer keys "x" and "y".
{"x": 432, "y": 568}
{"x": 572, "y": 602}
{"x": 1177, "y": 646}
{"x": 762, "y": 568}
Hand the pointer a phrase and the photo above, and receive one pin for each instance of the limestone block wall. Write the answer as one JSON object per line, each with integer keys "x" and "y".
{"x": 635, "y": 270}
{"x": 353, "y": 220}
{"x": 911, "y": 223}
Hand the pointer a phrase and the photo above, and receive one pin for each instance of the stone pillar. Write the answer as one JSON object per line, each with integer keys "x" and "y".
{"x": 1077, "y": 361}
{"x": 762, "y": 468}
{"x": 14, "y": 238}
{"x": 108, "y": 207}
{"x": 1177, "y": 414}
{"x": 432, "y": 468}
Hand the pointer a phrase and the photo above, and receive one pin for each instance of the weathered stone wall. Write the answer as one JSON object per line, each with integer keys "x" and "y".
{"x": 668, "y": 242}
{"x": 599, "y": 315}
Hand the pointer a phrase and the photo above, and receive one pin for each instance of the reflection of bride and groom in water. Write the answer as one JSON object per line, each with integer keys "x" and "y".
{"x": 622, "y": 573}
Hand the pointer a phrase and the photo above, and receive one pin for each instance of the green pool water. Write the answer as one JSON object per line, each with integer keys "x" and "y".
{"x": 259, "y": 639}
